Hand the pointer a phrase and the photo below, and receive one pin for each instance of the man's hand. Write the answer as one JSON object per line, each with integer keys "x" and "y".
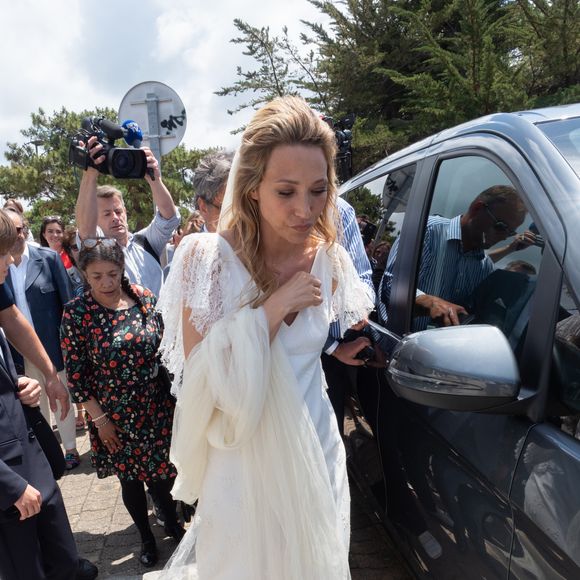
{"x": 442, "y": 311}
{"x": 95, "y": 151}
{"x": 346, "y": 352}
{"x": 29, "y": 503}
{"x": 56, "y": 391}
{"x": 523, "y": 241}
{"x": 29, "y": 391}
{"x": 153, "y": 173}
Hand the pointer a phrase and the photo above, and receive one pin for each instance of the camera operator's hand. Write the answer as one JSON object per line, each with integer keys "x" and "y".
{"x": 94, "y": 148}
{"x": 153, "y": 174}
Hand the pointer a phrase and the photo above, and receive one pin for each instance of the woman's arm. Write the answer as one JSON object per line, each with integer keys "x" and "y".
{"x": 191, "y": 337}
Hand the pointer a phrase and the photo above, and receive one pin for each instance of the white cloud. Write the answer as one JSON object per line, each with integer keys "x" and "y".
{"x": 80, "y": 55}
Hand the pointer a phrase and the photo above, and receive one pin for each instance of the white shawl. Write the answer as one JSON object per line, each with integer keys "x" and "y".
{"x": 239, "y": 391}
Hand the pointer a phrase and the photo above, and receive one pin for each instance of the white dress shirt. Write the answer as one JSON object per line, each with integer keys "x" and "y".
{"x": 18, "y": 275}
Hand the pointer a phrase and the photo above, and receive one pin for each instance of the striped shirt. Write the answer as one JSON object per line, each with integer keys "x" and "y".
{"x": 351, "y": 240}
{"x": 445, "y": 271}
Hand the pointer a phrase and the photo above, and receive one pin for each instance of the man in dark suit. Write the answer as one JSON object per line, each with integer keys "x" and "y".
{"x": 36, "y": 542}
{"x": 41, "y": 287}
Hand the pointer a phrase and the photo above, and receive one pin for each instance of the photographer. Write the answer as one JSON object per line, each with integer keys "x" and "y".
{"x": 100, "y": 211}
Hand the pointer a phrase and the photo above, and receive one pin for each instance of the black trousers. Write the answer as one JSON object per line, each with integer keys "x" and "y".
{"x": 339, "y": 385}
{"x": 41, "y": 547}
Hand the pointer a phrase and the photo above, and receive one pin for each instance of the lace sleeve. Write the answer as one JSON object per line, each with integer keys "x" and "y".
{"x": 194, "y": 282}
{"x": 352, "y": 299}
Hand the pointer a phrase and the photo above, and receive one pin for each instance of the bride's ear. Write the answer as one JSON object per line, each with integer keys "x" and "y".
{"x": 255, "y": 195}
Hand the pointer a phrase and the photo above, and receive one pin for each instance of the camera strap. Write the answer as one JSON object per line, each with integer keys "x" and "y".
{"x": 142, "y": 241}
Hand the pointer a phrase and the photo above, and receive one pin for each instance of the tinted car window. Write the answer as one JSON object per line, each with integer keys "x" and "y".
{"x": 567, "y": 360}
{"x": 481, "y": 251}
{"x": 565, "y": 134}
{"x": 383, "y": 202}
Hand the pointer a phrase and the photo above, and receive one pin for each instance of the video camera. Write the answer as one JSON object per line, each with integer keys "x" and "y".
{"x": 343, "y": 133}
{"x": 120, "y": 162}
{"x": 368, "y": 231}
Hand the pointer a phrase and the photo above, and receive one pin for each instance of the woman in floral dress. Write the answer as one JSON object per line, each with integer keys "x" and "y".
{"x": 110, "y": 337}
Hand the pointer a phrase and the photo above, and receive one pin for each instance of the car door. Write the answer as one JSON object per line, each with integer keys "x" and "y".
{"x": 545, "y": 494}
{"x": 389, "y": 188}
{"x": 449, "y": 474}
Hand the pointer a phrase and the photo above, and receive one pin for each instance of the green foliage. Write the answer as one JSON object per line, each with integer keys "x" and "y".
{"x": 469, "y": 71}
{"x": 409, "y": 68}
{"x": 366, "y": 204}
{"x": 373, "y": 141}
{"x": 271, "y": 79}
{"x": 552, "y": 45}
{"x": 40, "y": 174}
{"x": 282, "y": 70}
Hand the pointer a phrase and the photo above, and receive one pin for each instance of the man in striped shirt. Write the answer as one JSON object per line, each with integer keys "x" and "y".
{"x": 338, "y": 355}
{"x": 453, "y": 261}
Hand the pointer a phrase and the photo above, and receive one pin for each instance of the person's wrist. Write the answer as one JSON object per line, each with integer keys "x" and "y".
{"x": 91, "y": 173}
{"x": 331, "y": 350}
{"x": 425, "y": 301}
{"x": 51, "y": 382}
{"x": 277, "y": 308}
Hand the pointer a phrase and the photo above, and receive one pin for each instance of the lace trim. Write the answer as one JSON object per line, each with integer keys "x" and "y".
{"x": 352, "y": 299}
{"x": 196, "y": 281}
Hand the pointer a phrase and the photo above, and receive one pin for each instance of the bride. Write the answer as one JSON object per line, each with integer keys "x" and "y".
{"x": 247, "y": 312}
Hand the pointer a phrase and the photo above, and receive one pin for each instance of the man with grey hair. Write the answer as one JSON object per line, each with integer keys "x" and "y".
{"x": 209, "y": 182}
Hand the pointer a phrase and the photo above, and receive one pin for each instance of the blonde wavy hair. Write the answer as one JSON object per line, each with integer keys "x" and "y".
{"x": 283, "y": 121}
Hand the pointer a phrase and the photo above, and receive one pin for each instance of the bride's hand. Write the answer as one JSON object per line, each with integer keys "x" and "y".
{"x": 300, "y": 292}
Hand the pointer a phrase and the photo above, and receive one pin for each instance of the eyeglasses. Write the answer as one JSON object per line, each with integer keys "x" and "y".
{"x": 21, "y": 229}
{"x": 90, "y": 243}
{"x": 500, "y": 225}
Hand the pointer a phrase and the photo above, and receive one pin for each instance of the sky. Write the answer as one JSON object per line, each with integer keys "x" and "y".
{"x": 83, "y": 54}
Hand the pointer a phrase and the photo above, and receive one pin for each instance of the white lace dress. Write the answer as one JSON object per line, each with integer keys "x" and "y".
{"x": 255, "y": 438}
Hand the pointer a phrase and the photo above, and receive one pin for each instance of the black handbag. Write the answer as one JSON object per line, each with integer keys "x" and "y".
{"x": 164, "y": 378}
{"x": 47, "y": 440}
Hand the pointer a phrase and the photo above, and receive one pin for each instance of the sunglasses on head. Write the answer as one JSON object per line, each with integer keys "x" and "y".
{"x": 90, "y": 243}
{"x": 500, "y": 225}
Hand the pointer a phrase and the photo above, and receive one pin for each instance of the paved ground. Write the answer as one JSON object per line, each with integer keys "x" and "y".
{"x": 106, "y": 536}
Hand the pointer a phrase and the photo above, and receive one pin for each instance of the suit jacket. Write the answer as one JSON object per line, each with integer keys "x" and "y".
{"x": 22, "y": 460}
{"x": 48, "y": 289}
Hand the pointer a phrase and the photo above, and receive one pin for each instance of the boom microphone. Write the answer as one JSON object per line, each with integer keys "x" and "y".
{"x": 133, "y": 135}
{"x": 112, "y": 130}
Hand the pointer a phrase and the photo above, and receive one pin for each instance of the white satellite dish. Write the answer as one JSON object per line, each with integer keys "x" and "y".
{"x": 160, "y": 113}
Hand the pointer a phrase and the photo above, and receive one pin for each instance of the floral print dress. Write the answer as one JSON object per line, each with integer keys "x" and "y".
{"x": 111, "y": 355}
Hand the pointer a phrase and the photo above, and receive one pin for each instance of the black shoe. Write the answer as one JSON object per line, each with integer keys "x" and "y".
{"x": 86, "y": 570}
{"x": 149, "y": 554}
{"x": 175, "y": 531}
{"x": 187, "y": 511}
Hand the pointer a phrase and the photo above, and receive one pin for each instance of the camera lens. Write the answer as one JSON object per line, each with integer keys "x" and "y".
{"x": 122, "y": 163}
{"x": 127, "y": 163}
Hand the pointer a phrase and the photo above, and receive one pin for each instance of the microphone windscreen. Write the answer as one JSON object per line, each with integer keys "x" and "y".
{"x": 134, "y": 135}
{"x": 112, "y": 130}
